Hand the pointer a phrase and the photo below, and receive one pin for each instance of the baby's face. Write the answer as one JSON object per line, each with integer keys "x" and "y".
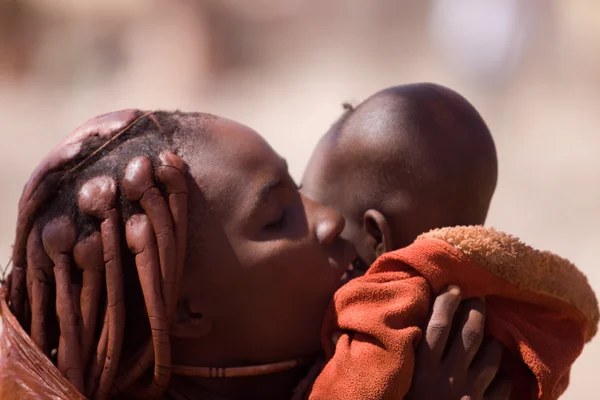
{"x": 328, "y": 180}
{"x": 350, "y": 172}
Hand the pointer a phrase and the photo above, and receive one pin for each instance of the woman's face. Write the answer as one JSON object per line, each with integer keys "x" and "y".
{"x": 264, "y": 261}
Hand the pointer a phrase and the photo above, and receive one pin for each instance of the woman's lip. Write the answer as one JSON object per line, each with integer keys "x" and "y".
{"x": 350, "y": 254}
{"x": 350, "y": 274}
{"x": 344, "y": 255}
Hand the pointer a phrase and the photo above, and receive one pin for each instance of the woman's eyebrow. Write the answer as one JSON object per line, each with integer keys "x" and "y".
{"x": 262, "y": 195}
{"x": 266, "y": 188}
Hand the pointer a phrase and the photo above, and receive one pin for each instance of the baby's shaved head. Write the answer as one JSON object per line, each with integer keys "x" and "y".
{"x": 420, "y": 154}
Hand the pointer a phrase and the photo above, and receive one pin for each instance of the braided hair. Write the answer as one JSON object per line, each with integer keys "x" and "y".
{"x": 101, "y": 237}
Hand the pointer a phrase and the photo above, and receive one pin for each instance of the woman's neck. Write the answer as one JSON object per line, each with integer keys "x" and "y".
{"x": 278, "y": 386}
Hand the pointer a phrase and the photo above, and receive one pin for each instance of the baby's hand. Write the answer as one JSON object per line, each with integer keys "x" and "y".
{"x": 447, "y": 370}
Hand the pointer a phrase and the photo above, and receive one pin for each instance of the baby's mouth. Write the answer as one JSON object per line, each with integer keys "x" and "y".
{"x": 359, "y": 264}
{"x": 355, "y": 269}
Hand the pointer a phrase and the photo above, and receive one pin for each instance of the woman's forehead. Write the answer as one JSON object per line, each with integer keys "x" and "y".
{"x": 222, "y": 140}
{"x": 236, "y": 160}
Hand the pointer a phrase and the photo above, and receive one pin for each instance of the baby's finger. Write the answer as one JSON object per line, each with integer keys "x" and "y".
{"x": 466, "y": 344}
{"x": 484, "y": 368}
{"x": 500, "y": 389}
{"x": 439, "y": 326}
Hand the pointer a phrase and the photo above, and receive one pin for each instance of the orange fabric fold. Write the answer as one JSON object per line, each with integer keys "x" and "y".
{"x": 25, "y": 372}
{"x": 380, "y": 315}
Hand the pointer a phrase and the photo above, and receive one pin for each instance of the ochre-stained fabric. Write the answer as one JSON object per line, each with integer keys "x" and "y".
{"x": 25, "y": 372}
{"x": 539, "y": 306}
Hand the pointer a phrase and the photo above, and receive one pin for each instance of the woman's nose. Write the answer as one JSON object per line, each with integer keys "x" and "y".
{"x": 327, "y": 222}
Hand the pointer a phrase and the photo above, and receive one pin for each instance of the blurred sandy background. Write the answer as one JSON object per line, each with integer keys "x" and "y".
{"x": 532, "y": 68}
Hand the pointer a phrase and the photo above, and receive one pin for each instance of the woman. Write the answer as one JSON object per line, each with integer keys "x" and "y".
{"x": 181, "y": 261}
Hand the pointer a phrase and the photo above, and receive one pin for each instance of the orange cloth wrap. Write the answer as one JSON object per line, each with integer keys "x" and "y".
{"x": 539, "y": 306}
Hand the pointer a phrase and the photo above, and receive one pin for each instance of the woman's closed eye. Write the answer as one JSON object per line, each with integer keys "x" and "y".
{"x": 281, "y": 205}
{"x": 276, "y": 223}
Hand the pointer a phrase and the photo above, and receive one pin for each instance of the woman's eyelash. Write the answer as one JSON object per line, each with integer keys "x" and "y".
{"x": 276, "y": 224}
{"x": 299, "y": 186}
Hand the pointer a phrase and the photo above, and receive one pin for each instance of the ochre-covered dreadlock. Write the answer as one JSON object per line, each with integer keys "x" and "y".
{"x": 69, "y": 251}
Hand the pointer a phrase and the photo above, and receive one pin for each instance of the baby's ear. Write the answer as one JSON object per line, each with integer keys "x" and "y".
{"x": 190, "y": 325}
{"x": 379, "y": 236}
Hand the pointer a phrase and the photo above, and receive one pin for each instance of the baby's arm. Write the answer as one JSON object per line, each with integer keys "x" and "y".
{"x": 378, "y": 316}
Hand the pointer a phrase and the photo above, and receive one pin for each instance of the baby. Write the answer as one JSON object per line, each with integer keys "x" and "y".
{"x": 407, "y": 160}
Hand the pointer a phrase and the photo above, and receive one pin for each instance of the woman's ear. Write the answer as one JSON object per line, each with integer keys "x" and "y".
{"x": 379, "y": 236}
{"x": 190, "y": 325}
